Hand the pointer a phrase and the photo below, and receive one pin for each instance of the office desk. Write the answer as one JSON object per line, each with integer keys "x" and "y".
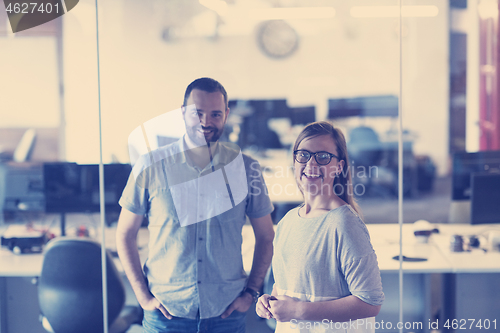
{"x": 463, "y": 285}
{"x": 472, "y": 289}
{"x": 30, "y": 264}
{"x": 385, "y": 241}
{"x": 460, "y": 274}
{"x": 426, "y": 284}
{"x": 19, "y": 309}
{"x": 419, "y": 278}
{"x": 468, "y": 262}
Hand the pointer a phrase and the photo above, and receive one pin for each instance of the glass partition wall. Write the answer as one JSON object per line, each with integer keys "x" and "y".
{"x": 284, "y": 65}
{"x": 402, "y": 80}
{"x": 448, "y": 119}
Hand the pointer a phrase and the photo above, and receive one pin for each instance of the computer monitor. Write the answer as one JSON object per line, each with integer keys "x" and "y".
{"x": 364, "y": 106}
{"x": 270, "y": 108}
{"x": 74, "y": 188}
{"x": 260, "y": 108}
{"x": 253, "y": 129}
{"x": 303, "y": 115}
{"x": 466, "y": 164}
{"x": 485, "y": 198}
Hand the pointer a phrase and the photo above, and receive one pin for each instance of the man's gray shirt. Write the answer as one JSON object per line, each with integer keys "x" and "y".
{"x": 195, "y": 223}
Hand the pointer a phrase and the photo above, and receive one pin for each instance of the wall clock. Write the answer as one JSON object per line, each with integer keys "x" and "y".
{"x": 277, "y": 39}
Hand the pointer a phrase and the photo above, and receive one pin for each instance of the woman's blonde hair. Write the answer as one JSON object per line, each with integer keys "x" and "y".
{"x": 344, "y": 178}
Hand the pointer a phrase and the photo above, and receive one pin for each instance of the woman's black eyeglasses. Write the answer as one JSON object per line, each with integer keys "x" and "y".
{"x": 322, "y": 157}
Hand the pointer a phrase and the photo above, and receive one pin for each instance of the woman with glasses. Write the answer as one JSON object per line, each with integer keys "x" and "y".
{"x": 326, "y": 272}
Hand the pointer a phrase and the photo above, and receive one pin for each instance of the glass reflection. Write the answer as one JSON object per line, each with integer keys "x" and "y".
{"x": 285, "y": 64}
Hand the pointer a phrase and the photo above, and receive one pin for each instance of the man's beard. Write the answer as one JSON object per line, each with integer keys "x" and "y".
{"x": 199, "y": 139}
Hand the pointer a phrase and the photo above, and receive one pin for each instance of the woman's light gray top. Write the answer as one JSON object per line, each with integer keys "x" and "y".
{"x": 325, "y": 258}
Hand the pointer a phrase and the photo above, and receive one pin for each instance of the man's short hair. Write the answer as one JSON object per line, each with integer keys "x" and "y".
{"x": 208, "y": 85}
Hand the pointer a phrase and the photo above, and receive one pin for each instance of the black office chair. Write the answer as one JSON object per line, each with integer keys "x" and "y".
{"x": 364, "y": 146}
{"x": 365, "y": 151}
{"x": 70, "y": 289}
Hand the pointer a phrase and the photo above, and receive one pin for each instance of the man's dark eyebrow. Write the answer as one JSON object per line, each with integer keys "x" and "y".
{"x": 216, "y": 111}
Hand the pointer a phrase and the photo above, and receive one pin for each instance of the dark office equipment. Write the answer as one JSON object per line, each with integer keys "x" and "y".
{"x": 74, "y": 188}
{"x": 426, "y": 173}
{"x": 22, "y": 187}
{"x": 19, "y": 239}
{"x": 367, "y": 106}
{"x": 410, "y": 259}
{"x": 364, "y": 146}
{"x": 474, "y": 241}
{"x": 368, "y": 155}
{"x": 465, "y": 164}
{"x": 233, "y": 103}
{"x": 365, "y": 152}
{"x": 462, "y": 4}
{"x": 457, "y": 243}
{"x": 70, "y": 288}
{"x": 485, "y": 198}
{"x": 270, "y": 108}
{"x": 254, "y": 130}
{"x": 457, "y": 90}
{"x": 303, "y": 115}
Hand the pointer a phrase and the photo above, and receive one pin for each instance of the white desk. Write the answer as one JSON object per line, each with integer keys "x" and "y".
{"x": 19, "y": 265}
{"x": 462, "y": 269}
{"x": 468, "y": 282}
{"x": 18, "y": 295}
{"x": 385, "y": 241}
{"x": 30, "y": 265}
{"x": 472, "y": 289}
{"x": 468, "y": 262}
{"x": 438, "y": 284}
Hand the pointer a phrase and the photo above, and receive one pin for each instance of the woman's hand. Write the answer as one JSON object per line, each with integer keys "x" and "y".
{"x": 262, "y": 307}
{"x": 284, "y": 308}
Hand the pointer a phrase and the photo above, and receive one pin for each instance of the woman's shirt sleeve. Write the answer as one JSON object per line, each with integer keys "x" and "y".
{"x": 358, "y": 261}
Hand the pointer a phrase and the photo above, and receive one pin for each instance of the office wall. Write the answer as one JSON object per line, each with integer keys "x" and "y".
{"x": 143, "y": 76}
{"x": 80, "y": 80}
{"x": 29, "y": 94}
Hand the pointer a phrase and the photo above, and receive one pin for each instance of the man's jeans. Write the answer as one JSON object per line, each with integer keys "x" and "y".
{"x": 155, "y": 322}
